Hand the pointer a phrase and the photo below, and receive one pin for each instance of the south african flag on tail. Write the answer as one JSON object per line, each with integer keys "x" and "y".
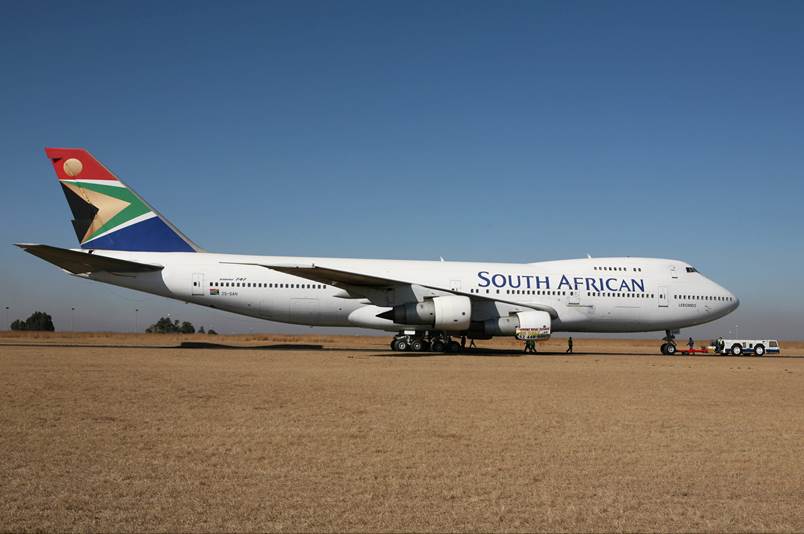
{"x": 107, "y": 214}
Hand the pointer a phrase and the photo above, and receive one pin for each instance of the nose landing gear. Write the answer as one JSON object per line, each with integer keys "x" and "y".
{"x": 669, "y": 346}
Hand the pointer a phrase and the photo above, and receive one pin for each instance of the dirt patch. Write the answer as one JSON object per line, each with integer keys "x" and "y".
{"x": 123, "y": 433}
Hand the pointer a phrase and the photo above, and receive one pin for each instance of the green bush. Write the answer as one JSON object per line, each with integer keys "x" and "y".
{"x": 38, "y": 321}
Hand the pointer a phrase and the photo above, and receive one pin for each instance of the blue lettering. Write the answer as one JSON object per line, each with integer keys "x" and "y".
{"x": 527, "y": 279}
{"x": 578, "y": 282}
{"x": 624, "y": 284}
{"x": 608, "y": 284}
{"x": 511, "y": 281}
{"x": 638, "y": 284}
{"x": 495, "y": 278}
{"x": 591, "y": 285}
{"x": 484, "y": 278}
{"x": 564, "y": 282}
{"x": 540, "y": 280}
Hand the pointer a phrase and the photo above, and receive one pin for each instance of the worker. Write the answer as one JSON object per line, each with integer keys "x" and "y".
{"x": 569, "y": 344}
{"x": 530, "y": 346}
{"x": 472, "y": 344}
{"x": 691, "y": 344}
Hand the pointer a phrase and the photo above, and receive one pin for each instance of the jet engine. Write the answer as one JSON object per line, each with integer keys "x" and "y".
{"x": 533, "y": 321}
{"x": 451, "y": 313}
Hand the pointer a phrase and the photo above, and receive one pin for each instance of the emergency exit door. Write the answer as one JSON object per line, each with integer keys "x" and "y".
{"x": 198, "y": 284}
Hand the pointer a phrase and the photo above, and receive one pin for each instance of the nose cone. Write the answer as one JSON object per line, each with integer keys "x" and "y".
{"x": 735, "y": 303}
{"x": 731, "y": 303}
{"x": 727, "y": 301}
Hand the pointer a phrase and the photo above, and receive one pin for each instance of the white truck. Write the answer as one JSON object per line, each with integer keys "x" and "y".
{"x": 738, "y": 347}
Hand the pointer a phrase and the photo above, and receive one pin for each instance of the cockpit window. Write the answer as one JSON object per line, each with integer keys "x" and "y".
{"x": 692, "y": 270}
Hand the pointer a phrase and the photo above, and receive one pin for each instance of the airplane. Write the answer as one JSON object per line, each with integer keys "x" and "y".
{"x": 125, "y": 242}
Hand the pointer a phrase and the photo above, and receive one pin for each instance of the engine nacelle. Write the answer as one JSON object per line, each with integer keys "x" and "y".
{"x": 534, "y": 323}
{"x": 450, "y": 313}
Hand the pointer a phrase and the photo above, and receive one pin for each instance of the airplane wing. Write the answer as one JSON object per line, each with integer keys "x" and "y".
{"x": 329, "y": 276}
{"x": 355, "y": 280}
{"x": 85, "y": 262}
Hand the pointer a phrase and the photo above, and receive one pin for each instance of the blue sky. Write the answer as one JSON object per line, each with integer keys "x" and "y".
{"x": 502, "y": 131}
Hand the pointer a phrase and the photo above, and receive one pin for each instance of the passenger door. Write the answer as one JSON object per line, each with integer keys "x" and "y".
{"x": 198, "y": 284}
{"x": 575, "y": 298}
{"x": 664, "y": 297}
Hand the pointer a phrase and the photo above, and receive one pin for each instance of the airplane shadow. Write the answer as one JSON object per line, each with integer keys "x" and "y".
{"x": 182, "y": 345}
{"x": 503, "y": 353}
{"x": 475, "y": 352}
{"x": 220, "y": 346}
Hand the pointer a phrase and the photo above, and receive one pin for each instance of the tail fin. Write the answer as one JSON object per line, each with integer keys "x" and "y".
{"x": 107, "y": 214}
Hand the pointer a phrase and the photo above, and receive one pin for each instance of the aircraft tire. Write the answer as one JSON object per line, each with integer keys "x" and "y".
{"x": 402, "y": 345}
{"x": 663, "y": 348}
{"x": 437, "y": 346}
{"x": 417, "y": 345}
{"x": 670, "y": 350}
{"x": 393, "y": 345}
{"x": 453, "y": 347}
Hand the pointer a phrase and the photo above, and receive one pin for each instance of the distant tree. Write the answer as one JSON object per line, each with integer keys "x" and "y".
{"x": 211, "y": 332}
{"x": 165, "y": 326}
{"x": 38, "y": 321}
{"x": 187, "y": 328}
{"x": 201, "y": 330}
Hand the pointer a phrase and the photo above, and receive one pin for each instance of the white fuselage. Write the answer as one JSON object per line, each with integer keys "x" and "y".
{"x": 582, "y": 295}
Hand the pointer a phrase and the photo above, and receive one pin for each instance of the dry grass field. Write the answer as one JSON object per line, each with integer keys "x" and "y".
{"x": 287, "y": 433}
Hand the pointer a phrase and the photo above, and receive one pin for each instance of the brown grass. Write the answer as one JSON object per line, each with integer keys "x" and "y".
{"x": 112, "y": 435}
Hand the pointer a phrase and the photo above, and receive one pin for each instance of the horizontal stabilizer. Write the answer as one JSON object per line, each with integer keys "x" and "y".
{"x": 85, "y": 262}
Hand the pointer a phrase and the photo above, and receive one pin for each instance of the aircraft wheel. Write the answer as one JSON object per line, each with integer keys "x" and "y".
{"x": 416, "y": 345}
{"x": 437, "y": 346}
{"x": 393, "y": 345}
{"x": 402, "y": 345}
{"x": 759, "y": 350}
{"x": 670, "y": 349}
{"x": 737, "y": 350}
{"x": 663, "y": 348}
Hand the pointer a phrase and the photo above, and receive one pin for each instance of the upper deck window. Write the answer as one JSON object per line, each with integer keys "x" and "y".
{"x": 692, "y": 270}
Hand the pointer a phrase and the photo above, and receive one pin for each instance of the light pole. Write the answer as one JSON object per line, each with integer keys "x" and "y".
{"x": 72, "y": 319}
{"x": 8, "y": 325}
{"x": 136, "y": 320}
{"x": 737, "y": 331}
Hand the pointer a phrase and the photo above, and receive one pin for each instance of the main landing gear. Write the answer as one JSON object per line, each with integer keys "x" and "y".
{"x": 669, "y": 346}
{"x": 425, "y": 342}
